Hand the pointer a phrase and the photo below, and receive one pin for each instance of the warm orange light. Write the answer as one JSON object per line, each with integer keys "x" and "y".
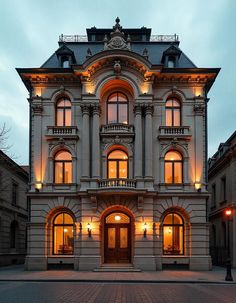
{"x": 228, "y": 212}
{"x": 197, "y": 185}
{"x": 38, "y": 185}
{"x": 117, "y": 218}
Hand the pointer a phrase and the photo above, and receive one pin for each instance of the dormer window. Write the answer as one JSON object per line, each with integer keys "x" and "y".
{"x": 171, "y": 62}
{"x": 65, "y": 62}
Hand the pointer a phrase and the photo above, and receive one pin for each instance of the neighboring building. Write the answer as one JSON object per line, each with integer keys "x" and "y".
{"x": 222, "y": 186}
{"x": 118, "y": 153}
{"x": 13, "y": 211}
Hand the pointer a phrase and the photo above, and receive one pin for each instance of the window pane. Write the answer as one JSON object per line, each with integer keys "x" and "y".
{"x": 63, "y": 155}
{"x": 59, "y": 117}
{"x": 113, "y": 98}
{"x": 68, "y": 240}
{"x": 58, "y": 239}
{"x": 173, "y": 155}
{"x": 117, "y": 218}
{"x": 168, "y": 117}
{"x": 67, "y": 172}
{"x": 112, "y": 169}
{"x": 171, "y": 63}
{"x": 177, "y": 219}
{"x": 65, "y": 63}
{"x": 68, "y": 117}
{"x": 176, "y": 103}
{"x": 117, "y": 154}
{"x": 123, "y": 237}
{"x": 58, "y": 172}
{"x": 111, "y": 237}
{"x": 177, "y": 239}
{"x": 168, "y": 172}
{"x": 112, "y": 113}
{"x": 167, "y": 239}
{"x": 169, "y": 103}
{"x": 68, "y": 219}
{"x": 168, "y": 219}
{"x": 122, "y": 97}
{"x": 177, "y": 172}
{"x": 123, "y": 113}
{"x": 122, "y": 169}
{"x": 59, "y": 219}
{"x": 176, "y": 117}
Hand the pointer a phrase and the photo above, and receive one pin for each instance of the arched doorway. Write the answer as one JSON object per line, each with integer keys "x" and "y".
{"x": 117, "y": 238}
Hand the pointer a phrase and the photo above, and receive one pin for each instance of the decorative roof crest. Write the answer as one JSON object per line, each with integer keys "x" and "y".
{"x": 117, "y": 40}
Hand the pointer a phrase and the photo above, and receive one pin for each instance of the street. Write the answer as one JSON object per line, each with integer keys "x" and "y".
{"x": 62, "y": 292}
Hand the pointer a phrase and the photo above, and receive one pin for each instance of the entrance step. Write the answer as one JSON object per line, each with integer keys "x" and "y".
{"x": 117, "y": 268}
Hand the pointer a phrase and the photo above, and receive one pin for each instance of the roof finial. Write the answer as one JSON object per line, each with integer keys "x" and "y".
{"x": 117, "y": 26}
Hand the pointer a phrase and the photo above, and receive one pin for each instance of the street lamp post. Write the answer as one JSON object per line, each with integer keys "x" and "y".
{"x": 228, "y": 276}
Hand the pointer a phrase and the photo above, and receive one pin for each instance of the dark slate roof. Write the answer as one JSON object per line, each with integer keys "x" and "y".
{"x": 155, "y": 52}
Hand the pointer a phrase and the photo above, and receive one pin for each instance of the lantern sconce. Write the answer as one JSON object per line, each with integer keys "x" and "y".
{"x": 145, "y": 229}
{"x": 89, "y": 229}
{"x": 198, "y": 186}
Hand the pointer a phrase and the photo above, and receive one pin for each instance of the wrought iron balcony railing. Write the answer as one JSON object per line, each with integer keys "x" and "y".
{"x": 118, "y": 183}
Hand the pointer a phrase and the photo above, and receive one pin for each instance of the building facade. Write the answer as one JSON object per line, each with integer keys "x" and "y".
{"x": 118, "y": 153}
{"x": 222, "y": 185}
{"x": 13, "y": 211}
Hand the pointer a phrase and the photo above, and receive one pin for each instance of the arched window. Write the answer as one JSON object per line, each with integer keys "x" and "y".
{"x": 63, "y": 167}
{"x": 63, "y": 112}
{"x": 117, "y": 165}
{"x": 65, "y": 62}
{"x": 173, "y": 167}
{"x": 173, "y": 112}
{"x": 63, "y": 240}
{"x": 117, "y": 108}
{"x": 173, "y": 235}
{"x": 171, "y": 62}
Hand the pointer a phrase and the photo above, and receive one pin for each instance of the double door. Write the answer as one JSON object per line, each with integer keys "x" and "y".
{"x": 117, "y": 243}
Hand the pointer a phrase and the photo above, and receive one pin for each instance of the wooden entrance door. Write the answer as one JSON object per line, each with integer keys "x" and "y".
{"x": 117, "y": 243}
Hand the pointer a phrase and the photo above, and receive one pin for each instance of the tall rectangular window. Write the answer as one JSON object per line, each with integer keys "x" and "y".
{"x": 213, "y": 195}
{"x": 14, "y": 193}
{"x": 223, "y": 189}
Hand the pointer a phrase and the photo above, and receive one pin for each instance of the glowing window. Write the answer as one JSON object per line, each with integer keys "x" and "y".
{"x": 63, "y": 167}
{"x": 63, "y": 240}
{"x": 117, "y": 108}
{"x": 117, "y": 218}
{"x": 117, "y": 165}
{"x": 63, "y": 112}
{"x": 173, "y": 235}
{"x": 173, "y": 167}
{"x": 173, "y": 112}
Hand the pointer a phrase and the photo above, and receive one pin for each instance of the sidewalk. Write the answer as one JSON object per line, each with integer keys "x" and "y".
{"x": 17, "y": 273}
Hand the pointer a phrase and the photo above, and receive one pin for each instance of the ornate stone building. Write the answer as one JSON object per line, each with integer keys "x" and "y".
{"x": 222, "y": 186}
{"x": 13, "y": 211}
{"x": 118, "y": 153}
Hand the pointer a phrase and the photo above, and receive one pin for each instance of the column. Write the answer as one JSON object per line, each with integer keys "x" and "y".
{"x": 138, "y": 144}
{"x": 148, "y": 140}
{"x": 96, "y": 142}
{"x": 85, "y": 141}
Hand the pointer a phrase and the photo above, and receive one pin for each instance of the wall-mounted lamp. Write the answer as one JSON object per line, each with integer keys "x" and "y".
{"x": 38, "y": 185}
{"x": 89, "y": 229}
{"x": 145, "y": 230}
{"x": 198, "y": 186}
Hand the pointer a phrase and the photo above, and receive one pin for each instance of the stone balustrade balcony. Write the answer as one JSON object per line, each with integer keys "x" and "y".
{"x": 117, "y": 128}
{"x": 117, "y": 183}
{"x": 170, "y": 132}
{"x": 70, "y": 132}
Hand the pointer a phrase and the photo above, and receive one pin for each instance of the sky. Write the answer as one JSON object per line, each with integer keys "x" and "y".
{"x": 29, "y": 32}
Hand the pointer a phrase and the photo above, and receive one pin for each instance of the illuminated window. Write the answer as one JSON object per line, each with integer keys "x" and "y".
{"x": 63, "y": 167}
{"x": 63, "y": 112}
{"x": 173, "y": 167}
{"x": 173, "y": 112}
{"x": 117, "y": 108}
{"x": 63, "y": 240}
{"x": 117, "y": 165}
{"x": 173, "y": 235}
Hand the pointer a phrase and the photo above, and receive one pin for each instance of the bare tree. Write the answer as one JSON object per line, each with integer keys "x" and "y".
{"x": 4, "y": 131}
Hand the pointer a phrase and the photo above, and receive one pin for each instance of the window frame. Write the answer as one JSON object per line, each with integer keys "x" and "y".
{"x": 117, "y": 102}
{"x": 117, "y": 164}
{"x": 63, "y": 225}
{"x": 64, "y": 109}
{"x": 172, "y": 110}
{"x": 63, "y": 167}
{"x": 173, "y": 168}
{"x": 173, "y": 225}
{"x": 14, "y": 193}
